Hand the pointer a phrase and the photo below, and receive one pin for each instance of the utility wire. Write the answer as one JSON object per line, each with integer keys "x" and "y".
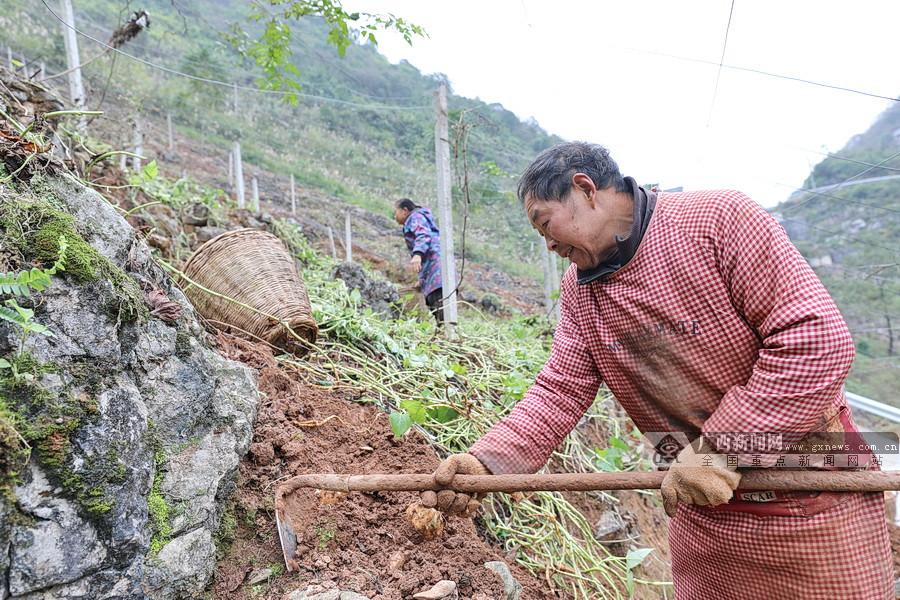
{"x": 231, "y": 85}
{"x": 840, "y": 184}
{"x": 827, "y": 195}
{"x": 712, "y": 104}
{"x": 308, "y": 47}
{"x": 848, "y": 159}
{"x": 894, "y": 249}
{"x": 761, "y": 72}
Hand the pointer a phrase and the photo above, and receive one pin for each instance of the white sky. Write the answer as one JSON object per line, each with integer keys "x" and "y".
{"x": 584, "y": 71}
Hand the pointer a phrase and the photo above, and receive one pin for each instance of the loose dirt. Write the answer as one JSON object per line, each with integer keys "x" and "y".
{"x": 359, "y": 542}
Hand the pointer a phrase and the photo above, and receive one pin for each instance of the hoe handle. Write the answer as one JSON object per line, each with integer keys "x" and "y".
{"x": 760, "y": 479}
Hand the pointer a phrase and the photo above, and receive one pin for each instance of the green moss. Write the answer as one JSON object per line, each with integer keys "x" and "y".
{"x": 14, "y": 452}
{"x": 158, "y": 509}
{"x": 46, "y": 422}
{"x": 228, "y": 525}
{"x": 34, "y": 226}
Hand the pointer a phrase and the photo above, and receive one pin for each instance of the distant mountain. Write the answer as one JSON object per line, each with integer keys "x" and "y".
{"x": 850, "y": 234}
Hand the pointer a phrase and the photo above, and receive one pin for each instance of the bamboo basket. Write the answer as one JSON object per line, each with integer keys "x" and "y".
{"x": 252, "y": 268}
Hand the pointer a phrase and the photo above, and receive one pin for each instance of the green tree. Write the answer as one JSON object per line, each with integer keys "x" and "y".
{"x": 271, "y": 49}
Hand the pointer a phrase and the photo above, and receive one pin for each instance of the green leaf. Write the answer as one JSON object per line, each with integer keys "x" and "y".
{"x": 150, "y": 171}
{"x": 400, "y": 424}
{"x": 458, "y": 369}
{"x": 442, "y": 414}
{"x": 636, "y": 557}
{"x": 415, "y": 410}
{"x": 5, "y": 364}
{"x": 355, "y": 297}
{"x": 618, "y": 443}
{"x": 38, "y": 328}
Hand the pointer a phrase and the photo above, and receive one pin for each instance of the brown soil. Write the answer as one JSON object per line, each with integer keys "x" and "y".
{"x": 345, "y": 543}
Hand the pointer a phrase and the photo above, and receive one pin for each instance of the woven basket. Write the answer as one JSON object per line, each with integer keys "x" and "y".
{"x": 254, "y": 268}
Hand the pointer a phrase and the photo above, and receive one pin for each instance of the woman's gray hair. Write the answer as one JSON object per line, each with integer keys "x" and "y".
{"x": 549, "y": 176}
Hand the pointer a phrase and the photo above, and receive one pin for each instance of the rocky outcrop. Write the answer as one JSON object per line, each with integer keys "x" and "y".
{"x": 136, "y": 425}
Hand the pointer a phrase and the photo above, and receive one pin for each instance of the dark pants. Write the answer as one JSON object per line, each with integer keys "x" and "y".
{"x": 435, "y": 302}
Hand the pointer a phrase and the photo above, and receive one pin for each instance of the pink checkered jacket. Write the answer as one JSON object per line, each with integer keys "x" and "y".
{"x": 717, "y": 324}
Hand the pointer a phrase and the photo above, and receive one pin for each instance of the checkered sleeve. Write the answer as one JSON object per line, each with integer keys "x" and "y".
{"x": 562, "y": 392}
{"x": 806, "y": 349}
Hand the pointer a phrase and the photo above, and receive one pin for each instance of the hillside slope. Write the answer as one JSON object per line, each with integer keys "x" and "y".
{"x": 370, "y": 146}
{"x": 851, "y": 236}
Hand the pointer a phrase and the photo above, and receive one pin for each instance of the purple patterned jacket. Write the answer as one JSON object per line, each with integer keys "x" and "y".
{"x": 423, "y": 237}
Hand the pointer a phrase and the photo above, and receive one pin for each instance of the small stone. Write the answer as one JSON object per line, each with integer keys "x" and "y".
{"x": 367, "y": 448}
{"x": 258, "y": 576}
{"x": 427, "y": 521}
{"x": 609, "y": 526}
{"x": 511, "y": 588}
{"x": 442, "y": 589}
{"x": 313, "y": 592}
{"x": 397, "y": 560}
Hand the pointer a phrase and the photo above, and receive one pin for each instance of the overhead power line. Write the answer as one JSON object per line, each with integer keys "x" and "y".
{"x": 832, "y": 196}
{"x": 231, "y": 85}
{"x": 765, "y": 73}
{"x": 841, "y": 183}
{"x": 721, "y": 60}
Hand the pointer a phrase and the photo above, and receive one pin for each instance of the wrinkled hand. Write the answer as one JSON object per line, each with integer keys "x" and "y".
{"x": 695, "y": 479}
{"x": 415, "y": 264}
{"x": 448, "y": 501}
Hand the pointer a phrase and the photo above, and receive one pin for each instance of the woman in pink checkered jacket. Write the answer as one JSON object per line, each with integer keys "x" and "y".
{"x": 702, "y": 318}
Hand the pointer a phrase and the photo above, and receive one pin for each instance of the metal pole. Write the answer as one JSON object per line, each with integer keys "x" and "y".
{"x": 9, "y": 60}
{"x": 348, "y": 242}
{"x": 169, "y": 127}
{"x": 138, "y": 143}
{"x": 554, "y": 278}
{"x": 548, "y": 281}
{"x": 331, "y": 243}
{"x": 254, "y": 184}
{"x": 43, "y": 72}
{"x": 231, "y": 170}
{"x": 234, "y": 98}
{"x": 238, "y": 175}
{"x": 293, "y": 197}
{"x": 76, "y": 86}
{"x": 442, "y": 160}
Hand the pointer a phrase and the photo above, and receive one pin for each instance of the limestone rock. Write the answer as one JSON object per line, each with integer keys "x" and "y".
{"x": 511, "y": 588}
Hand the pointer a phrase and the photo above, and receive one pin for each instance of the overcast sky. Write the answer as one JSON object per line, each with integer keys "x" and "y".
{"x": 591, "y": 71}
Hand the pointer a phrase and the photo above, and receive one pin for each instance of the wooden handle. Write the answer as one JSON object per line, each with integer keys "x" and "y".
{"x": 760, "y": 479}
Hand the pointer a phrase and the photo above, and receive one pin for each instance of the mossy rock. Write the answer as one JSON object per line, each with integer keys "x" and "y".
{"x": 46, "y": 422}
{"x": 34, "y": 226}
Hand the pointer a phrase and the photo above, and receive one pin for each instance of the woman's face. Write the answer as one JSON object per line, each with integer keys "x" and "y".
{"x": 400, "y": 215}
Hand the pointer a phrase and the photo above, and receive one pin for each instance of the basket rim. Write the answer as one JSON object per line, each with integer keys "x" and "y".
{"x": 231, "y": 233}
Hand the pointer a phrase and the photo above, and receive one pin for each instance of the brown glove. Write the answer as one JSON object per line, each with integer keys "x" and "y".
{"x": 701, "y": 478}
{"x": 448, "y": 501}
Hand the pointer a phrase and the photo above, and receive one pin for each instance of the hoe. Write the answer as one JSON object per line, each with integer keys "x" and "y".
{"x": 751, "y": 480}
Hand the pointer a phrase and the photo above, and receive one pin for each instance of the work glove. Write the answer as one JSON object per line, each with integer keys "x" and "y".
{"x": 698, "y": 477}
{"x": 448, "y": 501}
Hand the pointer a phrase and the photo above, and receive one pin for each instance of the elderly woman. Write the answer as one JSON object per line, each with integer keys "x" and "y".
{"x": 423, "y": 240}
{"x": 701, "y": 317}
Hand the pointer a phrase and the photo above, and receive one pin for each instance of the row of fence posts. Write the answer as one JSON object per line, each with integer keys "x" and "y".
{"x": 30, "y": 70}
{"x": 236, "y": 175}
